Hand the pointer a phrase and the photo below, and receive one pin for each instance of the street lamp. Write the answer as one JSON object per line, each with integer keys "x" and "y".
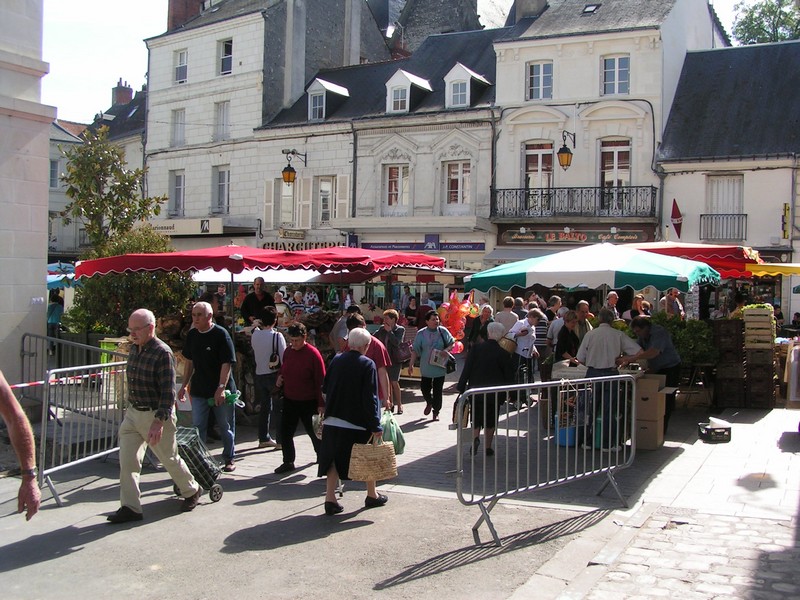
{"x": 289, "y": 173}
{"x": 565, "y": 154}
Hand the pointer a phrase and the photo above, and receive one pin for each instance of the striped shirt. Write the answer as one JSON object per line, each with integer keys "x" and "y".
{"x": 151, "y": 377}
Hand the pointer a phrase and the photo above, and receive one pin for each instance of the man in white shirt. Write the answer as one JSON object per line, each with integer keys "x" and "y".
{"x": 555, "y": 327}
{"x": 524, "y": 333}
{"x": 425, "y": 298}
{"x": 599, "y": 351}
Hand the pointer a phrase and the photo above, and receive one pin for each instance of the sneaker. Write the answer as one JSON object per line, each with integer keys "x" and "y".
{"x": 435, "y": 416}
{"x": 370, "y": 502}
{"x": 428, "y": 409}
{"x": 490, "y": 452}
{"x": 612, "y": 449}
{"x": 124, "y": 515}
{"x": 229, "y": 467}
{"x": 285, "y": 468}
{"x": 192, "y": 501}
{"x": 267, "y": 444}
{"x": 333, "y": 508}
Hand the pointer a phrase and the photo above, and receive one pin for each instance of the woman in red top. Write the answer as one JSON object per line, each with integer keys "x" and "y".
{"x": 301, "y": 376}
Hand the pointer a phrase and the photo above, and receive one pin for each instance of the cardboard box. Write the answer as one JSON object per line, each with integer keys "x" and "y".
{"x": 651, "y": 406}
{"x": 649, "y": 434}
{"x": 646, "y": 379}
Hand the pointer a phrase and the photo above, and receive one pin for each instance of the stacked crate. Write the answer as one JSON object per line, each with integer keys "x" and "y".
{"x": 759, "y": 344}
{"x": 730, "y": 383}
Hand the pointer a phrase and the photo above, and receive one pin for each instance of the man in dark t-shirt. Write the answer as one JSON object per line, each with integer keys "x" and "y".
{"x": 256, "y": 302}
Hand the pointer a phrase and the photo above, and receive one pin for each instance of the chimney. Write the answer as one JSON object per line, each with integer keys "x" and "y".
{"x": 529, "y": 8}
{"x": 121, "y": 94}
{"x": 180, "y": 11}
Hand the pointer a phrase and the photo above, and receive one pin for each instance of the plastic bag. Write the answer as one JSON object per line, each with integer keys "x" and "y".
{"x": 392, "y": 432}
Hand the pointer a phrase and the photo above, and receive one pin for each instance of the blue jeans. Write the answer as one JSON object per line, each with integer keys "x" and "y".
{"x": 269, "y": 406}
{"x": 225, "y": 421}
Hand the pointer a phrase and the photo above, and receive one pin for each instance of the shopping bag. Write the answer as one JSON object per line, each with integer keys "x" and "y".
{"x": 372, "y": 461}
{"x": 392, "y": 432}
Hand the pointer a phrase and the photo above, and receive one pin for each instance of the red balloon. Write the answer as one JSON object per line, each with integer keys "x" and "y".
{"x": 457, "y": 348}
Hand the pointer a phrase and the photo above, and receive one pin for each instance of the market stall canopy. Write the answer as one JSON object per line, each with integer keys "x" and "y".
{"x": 592, "y": 266}
{"x": 731, "y": 261}
{"x": 235, "y": 259}
{"x": 61, "y": 281}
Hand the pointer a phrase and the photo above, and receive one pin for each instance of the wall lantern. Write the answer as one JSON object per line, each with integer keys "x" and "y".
{"x": 565, "y": 154}
{"x": 289, "y": 173}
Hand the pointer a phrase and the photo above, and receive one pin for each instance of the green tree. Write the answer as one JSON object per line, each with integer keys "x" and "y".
{"x": 105, "y": 195}
{"x": 105, "y": 302}
{"x": 766, "y": 21}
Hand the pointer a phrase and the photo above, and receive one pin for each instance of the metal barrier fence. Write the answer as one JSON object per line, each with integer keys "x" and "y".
{"x": 82, "y": 395}
{"x": 546, "y": 434}
{"x": 81, "y": 414}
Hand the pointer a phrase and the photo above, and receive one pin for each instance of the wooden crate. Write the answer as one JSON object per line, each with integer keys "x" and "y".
{"x": 730, "y": 393}
{"x": 758, "y": 373}
{"x": 762, "y": 396}
{"x": 760, "y": 356}
{"x": 759, "y": 344}
{"x": 756, "y": 312}
{"x": 725, "y": 329}
{"x": 731, "y": 355}
{"x": 730, "y": 370}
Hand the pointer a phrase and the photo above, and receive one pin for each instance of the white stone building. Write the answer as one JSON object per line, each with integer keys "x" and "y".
{"x": 24, "y": 128}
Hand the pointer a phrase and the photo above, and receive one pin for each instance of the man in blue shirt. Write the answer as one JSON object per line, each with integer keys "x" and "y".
{"x": 661, "y": 355}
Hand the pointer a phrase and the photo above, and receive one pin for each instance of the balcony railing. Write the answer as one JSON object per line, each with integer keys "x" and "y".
{"x": 723, "y": 227}
{"x": 634, "y": 201}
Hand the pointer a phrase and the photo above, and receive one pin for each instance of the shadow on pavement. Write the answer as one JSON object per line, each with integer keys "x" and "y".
{"x": 474, "y": 554}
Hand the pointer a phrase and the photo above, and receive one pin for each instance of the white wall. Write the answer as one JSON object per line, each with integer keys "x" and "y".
{"x": 24, "y": 171}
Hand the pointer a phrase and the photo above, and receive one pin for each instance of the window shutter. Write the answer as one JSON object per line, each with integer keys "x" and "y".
{"x": 304, "y": 203}
{"x": 342, "y": 210}
{"x": 269, "y": 204}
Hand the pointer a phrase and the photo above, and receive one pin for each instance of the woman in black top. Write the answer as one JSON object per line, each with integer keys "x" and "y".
{"x": 568, "y": 342}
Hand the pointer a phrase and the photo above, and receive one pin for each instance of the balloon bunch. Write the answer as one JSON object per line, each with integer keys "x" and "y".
{"x": 453, "y": 316}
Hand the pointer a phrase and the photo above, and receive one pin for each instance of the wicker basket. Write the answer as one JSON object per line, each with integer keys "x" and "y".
{"x": 372, "y": 461}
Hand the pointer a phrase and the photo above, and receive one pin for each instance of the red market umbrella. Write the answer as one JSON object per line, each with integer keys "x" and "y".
{"x": 732, "y": 262}
{"x": 362, "y": 259}
{"x": 236, "y": 259}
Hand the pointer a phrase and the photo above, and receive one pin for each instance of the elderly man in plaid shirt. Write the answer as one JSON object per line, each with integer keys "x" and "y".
{"x": 150, "y": 419}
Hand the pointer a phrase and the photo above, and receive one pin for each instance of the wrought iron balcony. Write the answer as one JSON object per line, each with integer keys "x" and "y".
{"x": 716, "y": 227}
{"x": 633, "y": 201}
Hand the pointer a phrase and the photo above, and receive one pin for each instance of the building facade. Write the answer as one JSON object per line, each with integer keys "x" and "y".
{"x": 24, "y": 163}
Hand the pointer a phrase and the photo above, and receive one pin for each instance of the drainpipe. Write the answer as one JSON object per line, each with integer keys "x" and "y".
{"x": 662, "y": 178}
{"x": 355, "y": 171}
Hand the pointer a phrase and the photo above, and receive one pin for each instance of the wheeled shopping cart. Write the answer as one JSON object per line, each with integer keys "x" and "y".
{"x": 204, "y": 467}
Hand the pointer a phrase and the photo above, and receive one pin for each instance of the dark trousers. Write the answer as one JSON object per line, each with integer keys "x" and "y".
{"x": 432, "y": 392}
{"x": 611, "y": 403}
{"x": 269, "y": 407}
{"x": 294, "y": 411}
{"x": 673, "y": 380}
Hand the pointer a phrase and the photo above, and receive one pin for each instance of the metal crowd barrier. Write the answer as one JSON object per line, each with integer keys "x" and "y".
{"x": 82, "y": 395}
{"x": 81, "y": 414}
{"x": 546, "y": 434}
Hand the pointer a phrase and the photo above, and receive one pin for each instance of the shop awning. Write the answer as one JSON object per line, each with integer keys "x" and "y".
{"x": 506, "y": 254}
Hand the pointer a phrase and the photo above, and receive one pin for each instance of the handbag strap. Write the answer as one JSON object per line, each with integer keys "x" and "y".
{"x": 274, "y": 342}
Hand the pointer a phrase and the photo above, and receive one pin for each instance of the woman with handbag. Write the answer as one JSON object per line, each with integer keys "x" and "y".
{"x": 352, "y": 416}
{"x": 431, "y": 345}
{"x": 392, "y": 334}
{"x": 268, "y": 348}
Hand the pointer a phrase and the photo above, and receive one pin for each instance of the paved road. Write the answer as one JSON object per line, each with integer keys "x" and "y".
{"x": 268, "y": 536}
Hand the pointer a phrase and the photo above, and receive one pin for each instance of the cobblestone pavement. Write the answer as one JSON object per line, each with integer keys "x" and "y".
{"x": 719, "y": 521}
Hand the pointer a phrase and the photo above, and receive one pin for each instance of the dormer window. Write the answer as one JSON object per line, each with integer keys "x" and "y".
{"x": 324, "y": 98}
{"x": 458, "y": 93}
{"x": 400, "y": 100}
{"x": 464, "y": 86}
{"x": 590, "y": 9}
{"x": 316, "y": 107}
{"x": 404, "y": 91}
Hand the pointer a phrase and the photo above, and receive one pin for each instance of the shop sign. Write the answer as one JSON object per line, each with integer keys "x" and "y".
{"x": 175, "y": 227}
{"x": 423, "y": 246}
{"x": 292, "y": 234}
{"x": 573, "y": 236}
{"x": 281, "y": 245}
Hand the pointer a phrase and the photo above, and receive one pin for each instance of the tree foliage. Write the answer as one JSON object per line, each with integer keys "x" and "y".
{"x": 766, "y": 21}
{"x": 104, "y": 302}
{"x": 105, "y": 195}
